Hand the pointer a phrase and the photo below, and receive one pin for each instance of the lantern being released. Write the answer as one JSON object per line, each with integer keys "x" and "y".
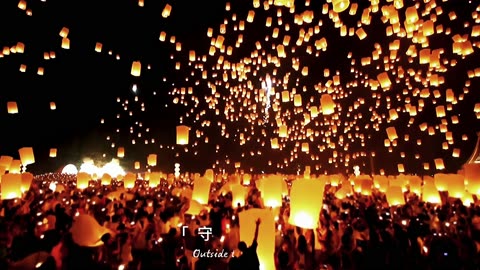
{"x": 306, "y": 201}
{"x": 266, "y": 234}
{"x": 11, "y": 185}
{"x": 201, "y": 190}
{"x": 182, "y": 135}
{"x": 26, "y": 156}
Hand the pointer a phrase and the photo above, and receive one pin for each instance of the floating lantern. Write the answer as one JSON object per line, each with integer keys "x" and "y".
{"x": 26, "y": 155}
{"x": 129, "y": 180}
{"x": 271, "y": 190}
{"x": 166, "y": 11}
{"x": 12, "y": 107}
{"x": 27, "y": 179}
{"x": 209, "y": 175}
{"x": 53, "y": 152}
{"x": 154, "y": 180}
{"x": 65, "y": 43}
{"x": 136, "y": 68}
{"x": 106, "y": 179}
{"x": 340, "y": 5}
{"x": 152, "y": 160}
{"x": 328, "y": 106}
{"x": 121, "y": 152}
{"x": 182, "y": 135}
{"x": 239, "y": 193}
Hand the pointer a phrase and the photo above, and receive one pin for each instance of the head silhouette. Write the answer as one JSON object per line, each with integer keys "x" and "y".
{"x": 242, "y": 246}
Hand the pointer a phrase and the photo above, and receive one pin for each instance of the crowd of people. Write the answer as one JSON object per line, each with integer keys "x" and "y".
{"x": 109, "y": 227}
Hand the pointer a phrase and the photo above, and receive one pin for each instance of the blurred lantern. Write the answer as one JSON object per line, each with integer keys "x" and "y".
{"x": 271, "y": 190}
{"x": 340, "y": 5}
{"x": 129, "y": 180}
{"x": 136, "y": 68}
{"x": 12, "y": 107}
{"x": 209, "y": 175}
{"x": 136, "y": 165}
{"x": 106, "y": 179}
{"x": 306, "y": 201}
{"x": 26, "y": 155}
{"x": 182, "y": 135}
{"x": 11, "y": 186}
{"x": 239, "y": 193}
{"x": 152, "y": 160}
{"x": 201, "y": 190}
{"x": 53, "y": 152}
{"x": 65, "y": 43}
{"x": 154, "y": 180}
{"x": 430, "y": 192}
{"x": 328, "y": 106}
{"x": 53, "y": 106}
{"x": 83, "y": 179}
{"x": 27, "y": 179}
{"x": 395, "y": 196}
{"x": 166, "y": 11}
{"x": 266, "y": 234}
{"x": 121, "y": 152}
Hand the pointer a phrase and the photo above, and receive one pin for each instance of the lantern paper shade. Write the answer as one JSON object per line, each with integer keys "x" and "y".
{"x": 154, "y": 180}
{"x": 395, "y": 195}
{"x": 136, "y": 68}
{"x": 11, "y": 185}
{"x": 121, "y": 152}
{"x": 328, "y": 106}
{"x": 106, "y": 179}
{"x": 209, "y": 175}
{"x": 306, "y": 201}
{"x": 195, "y": 208}
{"x": 152, "y": 160}
{"x": 83, "y": 179}
{"x": 340, "y": 5}
{"x": 472, "y": 177}
{"x": 15, "y": 166}
{"x": 27, "y": 179}
{"x": 239, "y": 193}
{"x": 136, "y": 165}
{"x": 129, "y": 180}
{"x": 86, "y": 232}
{"x": 53, "y": 152}
{"x": 271, "y": 190}
{"x": 430, "y": 193}
{"x": 182, "y": 135}
{"x": 5, "y": 162}
{"x": 266, "y": 234}
{"x": 12, "y": 107}
{"x": 201, "y": 190}
{"x": 26, "y": 155}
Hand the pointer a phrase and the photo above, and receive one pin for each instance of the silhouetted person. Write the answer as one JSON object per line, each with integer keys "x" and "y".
{"x": 249, "y": 258}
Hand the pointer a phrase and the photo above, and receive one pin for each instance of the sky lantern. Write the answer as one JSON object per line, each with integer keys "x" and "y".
{"x": 27, "y": 179}
{"x": 129, "y": 180}
{"x": 340, "y": 5}
{"x": 136, "y": 68}
{"x": 441, "y": 181}
{"x": 328, "y": 106}
{"x": 182, "y": 135}
{"x": 136, "y": 165}
{"x": 106, "y": 179}
{"x": 5, "y": 162}
{"x": 64, "y": 32}
{"x": 239, "y": 193}
{"x": 166, "y": 11}
{"x": 65, "y": 43}
{"x": 152, "y": 160}
{"x": 384, "y": 80}
{"x": 83, "y": 180}
{"x": 154, "y": 180}
{"x": 395, "y": 196}
{"x": 430, "y": 192}
{"x": 12, "y": 107}
{"x": 456, "y": 186}
{"x": 53, "y": 152}
{"x": 201, "y": 190}
{"x": 472, "y": 177}
{"x": 209, "y": 175}
{"x": 98, "y": 47}
{"x": 415, "y": 184}
{"x": 26, "y": 155}
{"x": 15, "y": 166}
{"x": 121, "y": 152}
{"x": 11, "y": 186}
{"x": 392, "y": 133}
{"x": 266, "y": 234}
{"x": 306, "y": 200}
{"x": 271, "y": 189}
{"x": 53, "y": 106}
{"x": 86, "y": 232}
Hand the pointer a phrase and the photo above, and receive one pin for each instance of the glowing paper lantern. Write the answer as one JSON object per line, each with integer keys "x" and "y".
{"x": 271, "y": 190}
{"x": 121, "y": 152}
{"x": 26, "y": 155}
{"x": 201, "y": 190}
{"x": 430, "y": 193}
{"x": 182, "y": 135}
{"x": 395, "y": 195}
{"x": 86, "y": 232}
{"x": 11, "y": 186}
{"x": 53, "y": 106}
{"x": 340, "y": 5}
{"x": 129, "y": 180}
{"x": 472, "y": 177}
{"x": 166, "y": 11}
{"x": 53, "y": 152}
{"x": 328, "y": 106}
{"x": 136, "y": 68}
{"x": 154, "y": 180}
{"x": 12, "y": 107}
{"x": 392, "y": 133}
{"x": 456, "y": 186}
{"x": 15, "y": 166}
{"x": 27, "y": 179}
{"x": 266, "y": 234}
{"x": 5, "y": 162}
{"x": 70, "y": 169}
{"x": 65, "y": 43}
{"x": 239, "y": 193}
{"x": 306, "y": 201}
{"x": 152, "y": 160}
{"x": 106, "y": 179}
{"x": 83, "y": 180}
{"x": 136, "y": 165}
{"x": 209, "y": 175}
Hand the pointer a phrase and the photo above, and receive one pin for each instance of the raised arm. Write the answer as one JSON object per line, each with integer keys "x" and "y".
{"x": 257, "y": 223}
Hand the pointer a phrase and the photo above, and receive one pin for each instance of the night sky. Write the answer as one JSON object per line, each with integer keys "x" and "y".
{"x": 85, "y": 86}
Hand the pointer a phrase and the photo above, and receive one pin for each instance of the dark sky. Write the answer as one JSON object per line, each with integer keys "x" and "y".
{"x": 85, "y": 86}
